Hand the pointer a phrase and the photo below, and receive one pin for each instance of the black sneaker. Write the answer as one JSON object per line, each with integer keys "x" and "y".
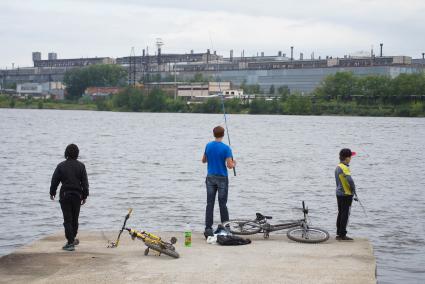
{"x": 345, "y": 238}
{"x": 338, "y": 238}
{"x": 208, "y": 233}
{"x": 76, "y": 242}
{"x": 68, "y": 247}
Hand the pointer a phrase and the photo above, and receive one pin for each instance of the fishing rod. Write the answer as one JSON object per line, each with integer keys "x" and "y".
{"x": 222, "y": 102}
{"x": 356, "y": 198}
{"x": 227, "y": 130}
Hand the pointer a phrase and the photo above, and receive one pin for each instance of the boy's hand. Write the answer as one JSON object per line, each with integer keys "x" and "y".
{"x": 52, "y": 197}
{"x": 83, "y": 202}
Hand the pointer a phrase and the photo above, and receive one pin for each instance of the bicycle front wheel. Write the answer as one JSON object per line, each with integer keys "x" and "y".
{"x": 163, "y": 249}
{"x": 242, "y": 227}
{"x": 310, "y": 235}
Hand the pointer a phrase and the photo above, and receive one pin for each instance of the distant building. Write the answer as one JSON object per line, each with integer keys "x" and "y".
{"x": 45, "y": 90}
{"x": 200, "y": 90}
{"x": 73, "y": 62}
{"x": 52, "y": 56}
{"x": 96, "y": 92}
{"x": 233, "y": 94}
{"x": 36, "y": 56}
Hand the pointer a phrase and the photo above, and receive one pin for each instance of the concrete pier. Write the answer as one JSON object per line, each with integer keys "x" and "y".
{"x": 275, "y": 260}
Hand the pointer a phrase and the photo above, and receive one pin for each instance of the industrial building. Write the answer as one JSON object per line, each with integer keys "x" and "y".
{"x": 41, "y": 90}
{"x": 202, "y": 90}
{"x": 298, "y": 74}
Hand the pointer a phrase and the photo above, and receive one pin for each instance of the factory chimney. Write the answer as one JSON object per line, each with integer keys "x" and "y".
{"x": 144, "y": 53}
{"x": 231, "y": 55}
{"x": 301, "y": 56}
{"x": 279, "y": 53}
{"x": 292, "y": 53}
{"x": 381, "y": 44}
{"x": 423, "y": 55}
{"x": 208, "y": 56}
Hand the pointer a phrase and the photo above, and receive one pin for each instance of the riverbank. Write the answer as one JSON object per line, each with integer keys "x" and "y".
{"x": 295, "y": 105}
{"x": 276, "y": 260}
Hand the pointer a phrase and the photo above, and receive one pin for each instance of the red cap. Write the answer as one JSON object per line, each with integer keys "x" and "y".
{"x": 353, "y": 154}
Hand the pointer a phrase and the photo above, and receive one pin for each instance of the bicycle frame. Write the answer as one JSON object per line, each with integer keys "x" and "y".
{"x": 144, "y": 236}
{"x": 266, "y": 227}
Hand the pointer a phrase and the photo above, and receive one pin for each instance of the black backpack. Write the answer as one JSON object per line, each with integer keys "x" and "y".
{"x": 228, "y": 240}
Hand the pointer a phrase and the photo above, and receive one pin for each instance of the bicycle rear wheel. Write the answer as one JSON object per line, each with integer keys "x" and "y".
{"x": 310, "y": 235}
{"x": 242, "y": 227}
{"x": 163, "y": 249}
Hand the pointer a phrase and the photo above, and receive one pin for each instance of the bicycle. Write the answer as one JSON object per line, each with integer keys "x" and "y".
{"x": 301, "y": 232}
{"x": 150, "y": 240}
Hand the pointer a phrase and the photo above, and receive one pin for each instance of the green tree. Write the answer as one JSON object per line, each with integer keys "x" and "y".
{"x": 105, "y": 75}
{"x": 12, "y": 102}
{"x": 283, "y": 90}
{"x": 155, "y": 101}
{"x": 341, "y": 85}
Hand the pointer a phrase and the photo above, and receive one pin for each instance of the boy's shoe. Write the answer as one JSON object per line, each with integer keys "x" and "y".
{"x": 76, "y": 242}
{"x": 338, "y": 238}
{"x": 345, "y": 238}
{"x": 68, "y": 247}
{"x": 208, "y": 233}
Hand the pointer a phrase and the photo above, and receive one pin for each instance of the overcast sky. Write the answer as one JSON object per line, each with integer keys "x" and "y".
{"x": 110, "y": 28}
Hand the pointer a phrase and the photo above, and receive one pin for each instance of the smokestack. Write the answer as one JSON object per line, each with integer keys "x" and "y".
{"x": 301, "y": 56}
{"x": 231, "y": 55}
{"x": 208, "y": 55}
{"x": 381, "y": 44}
{"x": 279, "y": 53}
{"x": 191, "y": 51}
{"x": 262, "y": 53}
{"x": 292, "y": 53}
{"x": 423, "y": 55}
{"x": 144, "y": 53}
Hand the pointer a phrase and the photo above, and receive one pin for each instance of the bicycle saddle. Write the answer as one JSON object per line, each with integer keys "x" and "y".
{"x": 262, "y": 217}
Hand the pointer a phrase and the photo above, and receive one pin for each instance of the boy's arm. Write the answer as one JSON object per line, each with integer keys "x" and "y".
{"x": 85, "y": 184}
{"x": 351, "y": 183}
{"x": 230, "y": 163}
{"x": 54, "y": 183}
{"x": 204, "y": 158}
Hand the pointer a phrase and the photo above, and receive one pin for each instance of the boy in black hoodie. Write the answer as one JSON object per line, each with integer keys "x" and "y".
{"x": 73, "y": 193}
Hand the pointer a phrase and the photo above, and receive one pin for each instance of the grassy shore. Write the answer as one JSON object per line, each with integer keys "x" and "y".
{"x": 7, "y": 102}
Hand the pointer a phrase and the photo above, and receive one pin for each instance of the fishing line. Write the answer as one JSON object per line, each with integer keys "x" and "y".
{"x": 361, "y": 204}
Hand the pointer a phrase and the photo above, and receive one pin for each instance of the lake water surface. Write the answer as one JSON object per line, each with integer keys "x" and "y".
{"x": 151, "y": 162}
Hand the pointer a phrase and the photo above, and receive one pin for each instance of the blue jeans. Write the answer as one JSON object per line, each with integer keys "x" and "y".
{"x": 214, "y": 184}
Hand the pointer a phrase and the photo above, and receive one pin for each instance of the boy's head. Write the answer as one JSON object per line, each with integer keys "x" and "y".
{"x": 218, "y": 132}
{"x": 345, "y": 155}
{"x": 71, "y": 152}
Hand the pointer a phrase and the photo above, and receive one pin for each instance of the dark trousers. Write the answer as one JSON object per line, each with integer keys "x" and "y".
{"x": 70, "y": 205}
{"x": 344, "y": 204}
{"x": 216, "y": 184}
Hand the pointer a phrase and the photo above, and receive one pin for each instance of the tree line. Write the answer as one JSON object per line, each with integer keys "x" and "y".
{"x": 342, "y": 93}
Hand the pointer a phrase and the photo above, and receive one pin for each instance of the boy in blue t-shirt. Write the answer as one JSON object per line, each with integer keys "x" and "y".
{"x": 218, "y": 155}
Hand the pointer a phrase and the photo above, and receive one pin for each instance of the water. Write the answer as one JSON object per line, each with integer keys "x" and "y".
{"x": 151, "y": 162}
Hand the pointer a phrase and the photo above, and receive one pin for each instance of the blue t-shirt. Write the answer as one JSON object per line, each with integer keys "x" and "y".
{"x": 217, "y": 153}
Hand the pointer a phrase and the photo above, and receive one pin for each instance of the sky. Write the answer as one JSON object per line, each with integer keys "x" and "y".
{"x": 109, "y": 28}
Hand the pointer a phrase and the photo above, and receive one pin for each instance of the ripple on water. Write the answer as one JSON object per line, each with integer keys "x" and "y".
{"x": 290, "y": 159}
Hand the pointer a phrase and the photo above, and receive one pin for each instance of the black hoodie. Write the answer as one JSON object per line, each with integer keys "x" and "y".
{"x": 73, "y": 176}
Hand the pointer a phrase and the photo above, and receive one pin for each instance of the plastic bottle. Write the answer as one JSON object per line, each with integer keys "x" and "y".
{"x": 187, "y": 236}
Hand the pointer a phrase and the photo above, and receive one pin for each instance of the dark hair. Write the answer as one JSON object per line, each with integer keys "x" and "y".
{"x": 344, "y": 153}
{"x": 71, "y": 152}
{"x": 218, "y": 132}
